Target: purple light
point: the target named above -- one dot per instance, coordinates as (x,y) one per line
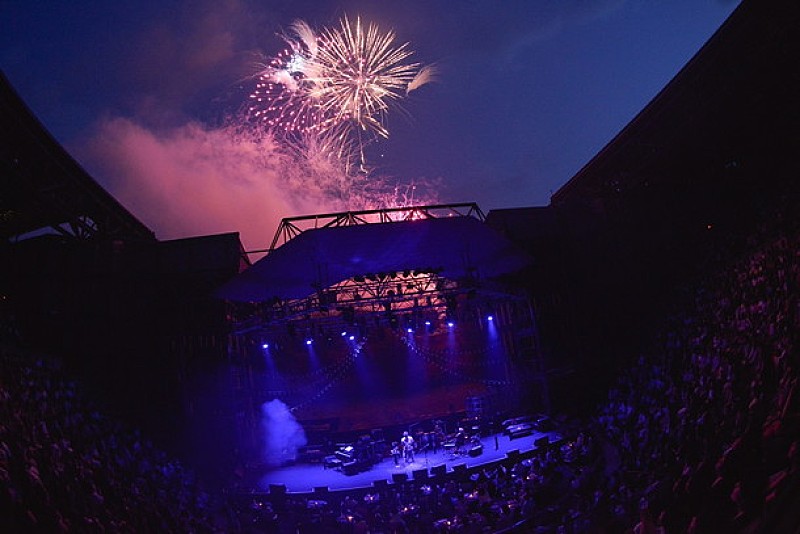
(409,330)
(265,346)
(352,338)
(490,318)
(344,333)
(309,341)
(427,323)
(451,324)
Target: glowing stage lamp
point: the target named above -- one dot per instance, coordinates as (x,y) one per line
(309,341)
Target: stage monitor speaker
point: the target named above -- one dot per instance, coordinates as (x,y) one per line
(277,489)
(399,478)
(420,474)
(350,468)
(477,450)
(439,470)
(513,454)
(542,442)
(381,483)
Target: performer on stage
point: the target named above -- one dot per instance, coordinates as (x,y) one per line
(408,447)
(396,452)
(438,436)
(461,440)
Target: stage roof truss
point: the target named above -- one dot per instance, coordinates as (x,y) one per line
(413,295)
(291,227)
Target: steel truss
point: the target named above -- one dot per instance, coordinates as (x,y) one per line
(385,293)
(291,227)
(407,294)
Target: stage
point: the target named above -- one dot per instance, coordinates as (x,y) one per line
(304,478)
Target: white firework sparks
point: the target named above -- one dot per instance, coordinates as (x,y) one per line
(340,80)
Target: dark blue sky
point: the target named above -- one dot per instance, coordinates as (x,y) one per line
(528,91)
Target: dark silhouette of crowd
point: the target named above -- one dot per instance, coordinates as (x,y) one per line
(64,467)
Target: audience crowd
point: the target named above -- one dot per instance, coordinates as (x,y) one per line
(66,468)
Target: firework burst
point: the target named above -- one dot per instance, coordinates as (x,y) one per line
(357,72)
(319,102)
(339,81)
(280,99)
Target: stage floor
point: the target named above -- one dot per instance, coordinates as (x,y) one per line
(303,478)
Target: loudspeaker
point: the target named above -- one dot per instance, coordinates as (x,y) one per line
(399,478)
(277,489)
(350,468)
(381,483)
(541,442)
(439,470)
(420,474)
(513,454)
(475,407)
(477,450)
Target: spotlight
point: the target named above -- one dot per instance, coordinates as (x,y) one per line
(450,324)
(409,330)
(309,341)
(490,318)
(265,346)
(344,333)
(427,323)
(352,338)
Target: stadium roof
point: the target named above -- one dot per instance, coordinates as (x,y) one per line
(734,104)
(42,186)
(456,248)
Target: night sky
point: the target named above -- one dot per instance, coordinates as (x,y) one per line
(527,92)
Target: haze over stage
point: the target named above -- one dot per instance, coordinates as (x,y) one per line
(455,247)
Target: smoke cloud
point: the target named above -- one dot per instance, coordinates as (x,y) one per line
(283,435)
(192,180)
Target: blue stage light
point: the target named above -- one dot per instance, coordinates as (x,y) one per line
(451,324)
(344,333)
(409,330)
(427,323)
(309,341)
(352,338)
(490,318)
(265,346)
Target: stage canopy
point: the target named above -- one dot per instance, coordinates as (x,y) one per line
(457,248)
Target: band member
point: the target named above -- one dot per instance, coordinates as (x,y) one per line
(438,436)
(396,452)
(461,440)
(408,447)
